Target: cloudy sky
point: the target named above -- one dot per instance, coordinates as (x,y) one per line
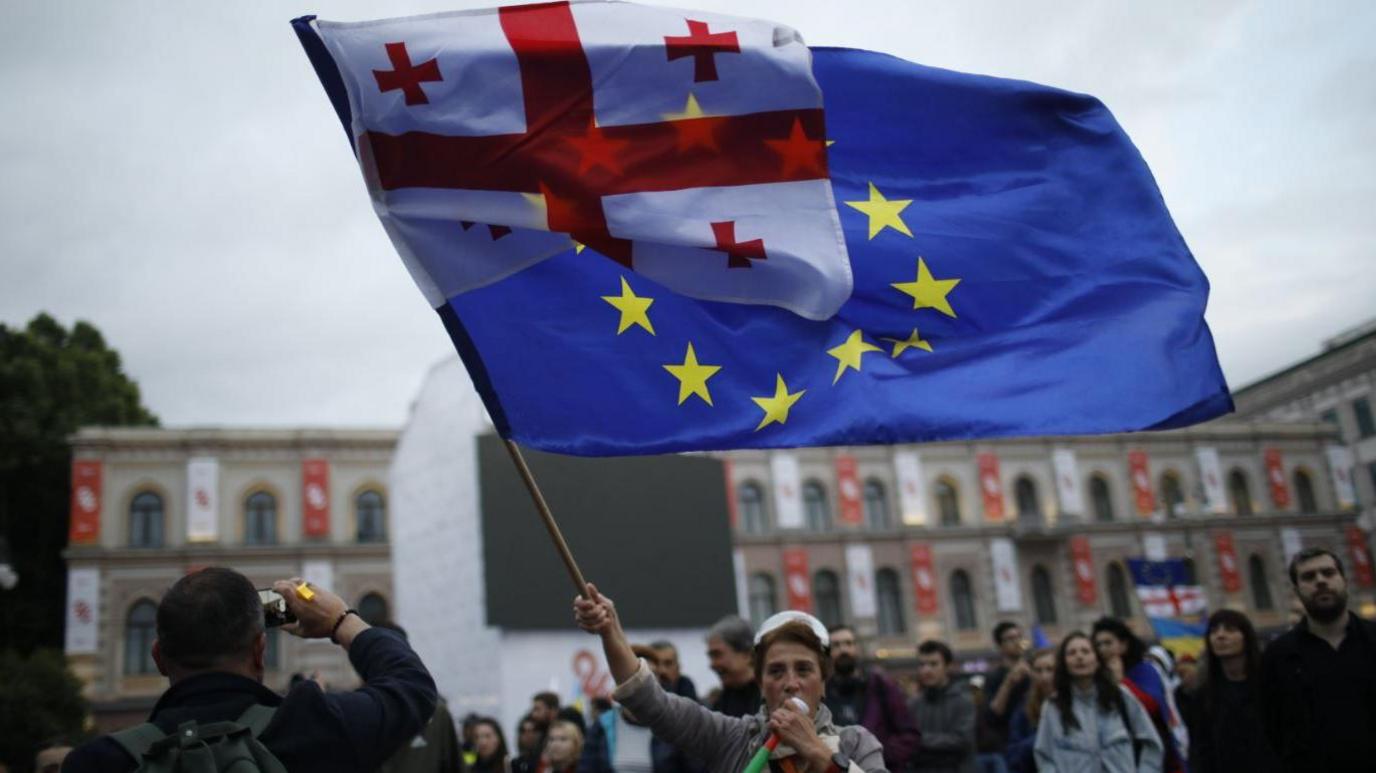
(174,174)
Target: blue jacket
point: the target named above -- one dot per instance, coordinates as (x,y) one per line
(1022,737)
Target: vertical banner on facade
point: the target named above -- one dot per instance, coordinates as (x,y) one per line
(315,497)
(848,488)
(860,578)
(742,583)
(1154,546)
(732,506)
(1007,587)
(991,486)
(1068,482)
(1340,464)
(1141,483)
(912,492)
(318,571)
(83,611)
(1211,480)
(788,497)
(202,493)
(924,579)
(84,525)
(797,579)
(1227,561)
(1275,478)
(1291,542)
(1086,589)
(1361,557)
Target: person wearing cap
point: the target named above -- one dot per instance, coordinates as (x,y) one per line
(791,661)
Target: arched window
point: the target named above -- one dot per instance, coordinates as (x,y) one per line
(1261,584)
(1304,492)
(1100,498)
(947,502)
(140,629)
(890,602)
(145,520)
(963,601)
(816,506)
(1043,598)
(1172,494)
(1239,492)
(762,599)
(1029,505)
(826,597)
(260,519)
(1119,603)
(370,515)
(750,507)
(373,609)
(876,505)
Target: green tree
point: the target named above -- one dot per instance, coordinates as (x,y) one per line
(41,702)
(52,381)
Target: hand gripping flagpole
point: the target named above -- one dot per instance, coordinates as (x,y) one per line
(556,536)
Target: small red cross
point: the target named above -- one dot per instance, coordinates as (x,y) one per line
(406,76)
(739,254)
(702,46)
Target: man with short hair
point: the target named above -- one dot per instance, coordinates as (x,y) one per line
(671,674)
(544,707)
(730,643)
(211,646)
(945,712)
(1318,680)
(621,744)
(867,696)
(1006,685)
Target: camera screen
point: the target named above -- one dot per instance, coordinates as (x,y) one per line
(275,610)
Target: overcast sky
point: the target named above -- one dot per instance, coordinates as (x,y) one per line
(174,174)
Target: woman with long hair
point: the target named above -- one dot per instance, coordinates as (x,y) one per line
(1226,731)
(563,746)
(1092,723)
(489,745)
(1027,715)
(1126,656)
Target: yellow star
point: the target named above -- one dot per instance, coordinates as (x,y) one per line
(578,248)
(690,110)
(882,212)
(692,377)
(849,353)
(913,341)
(776,407)
(928,293)
(632,308)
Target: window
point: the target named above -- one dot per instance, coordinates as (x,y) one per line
(1042,596)
(1331,416)
(750,507)
(1029,506)
(1304,492)
(1172,494)
(963,601)
(373,609)
(1101,499)
(762,601)
(876,505)
(1239,492)
(1119,603)
(890,602)
(140,629)
(260,519)
(1366,425)
(1261,586)
(826,596)
(816,506)
(947,502)
(370,516)
(145,520)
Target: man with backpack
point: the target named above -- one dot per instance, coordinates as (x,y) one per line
(216,712)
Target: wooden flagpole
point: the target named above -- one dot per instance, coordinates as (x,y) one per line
(556,536)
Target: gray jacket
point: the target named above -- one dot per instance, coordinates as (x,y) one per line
(1101,744)
(946,718)
(725,743)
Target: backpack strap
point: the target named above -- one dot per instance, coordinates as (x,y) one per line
(138,739)
(256,718)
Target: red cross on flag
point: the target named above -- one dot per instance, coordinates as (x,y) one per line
(689,146)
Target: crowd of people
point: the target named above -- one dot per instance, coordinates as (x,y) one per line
(795,697)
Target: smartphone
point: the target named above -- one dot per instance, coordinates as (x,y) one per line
(275,611)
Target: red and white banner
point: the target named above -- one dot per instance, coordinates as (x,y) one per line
(1275,478)
(1227,561)
(912,491)
(202,511)
(1141,483)
(1211,480)
(1340,464)
(788,495)
(797,579)
(1360,554)
(924,580)
(1086,589)
(860,578)
(82,634)
(848,489)
(1067,482)
(1007,587)
(991,486)
(84,526)
(315,497)
(1172,601)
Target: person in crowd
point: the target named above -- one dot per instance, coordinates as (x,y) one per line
(1093,723)
(435,748)
(1125,655)
(563,747)
(1026,717)
(730,642)
(944,712)
(544,708)
(530,743)
(211,645)
(1318,680)
(790,656)
(1006,686)
(1224,713)
(671,674)
(489,748)
(867,696)
(625,744)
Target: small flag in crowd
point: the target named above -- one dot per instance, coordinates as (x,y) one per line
(1165,588)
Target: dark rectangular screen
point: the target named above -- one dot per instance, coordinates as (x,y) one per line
(652,532)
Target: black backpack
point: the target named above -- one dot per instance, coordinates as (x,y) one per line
(216,747)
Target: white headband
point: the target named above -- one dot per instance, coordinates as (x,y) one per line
(794,616)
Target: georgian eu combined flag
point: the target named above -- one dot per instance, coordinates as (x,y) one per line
(650,230)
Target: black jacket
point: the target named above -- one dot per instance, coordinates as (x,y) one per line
(311,730)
